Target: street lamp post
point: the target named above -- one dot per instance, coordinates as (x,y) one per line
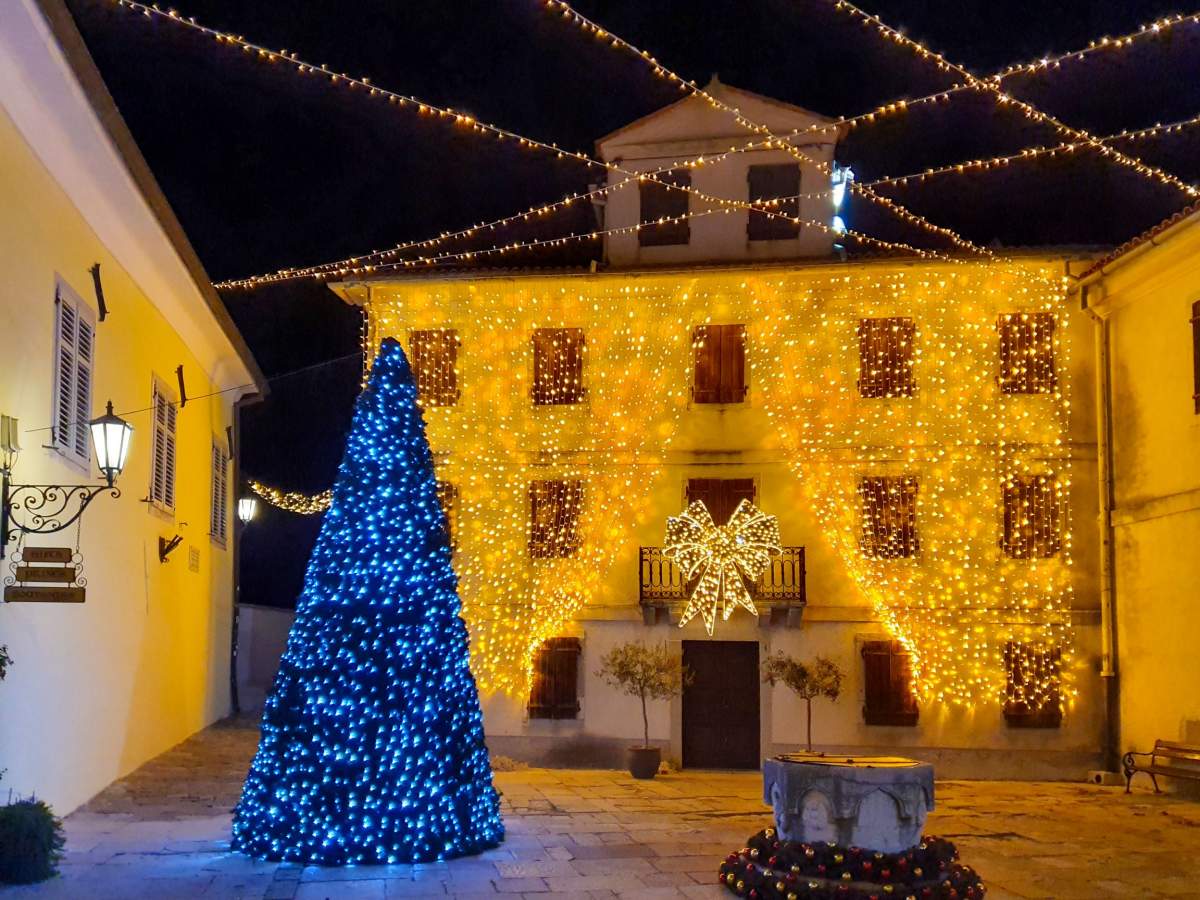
(247,508)
(47,508)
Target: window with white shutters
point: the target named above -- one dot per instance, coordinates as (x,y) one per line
(218,520)
(162,459)
(74,354)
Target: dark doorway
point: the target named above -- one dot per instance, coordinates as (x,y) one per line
(720,707)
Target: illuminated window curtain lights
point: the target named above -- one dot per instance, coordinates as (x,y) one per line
(946,591)
(953,603)
(500,447)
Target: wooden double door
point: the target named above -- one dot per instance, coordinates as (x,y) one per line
(721,706)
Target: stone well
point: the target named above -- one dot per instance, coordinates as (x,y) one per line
(877,803)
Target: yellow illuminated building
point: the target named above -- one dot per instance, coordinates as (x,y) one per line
(922,431)
(885,412)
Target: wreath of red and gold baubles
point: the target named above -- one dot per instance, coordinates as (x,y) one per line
(770,869)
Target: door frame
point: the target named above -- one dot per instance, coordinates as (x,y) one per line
(766,747)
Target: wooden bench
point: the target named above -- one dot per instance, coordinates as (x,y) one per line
(1167,758)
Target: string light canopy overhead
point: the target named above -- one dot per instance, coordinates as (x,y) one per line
(366,264)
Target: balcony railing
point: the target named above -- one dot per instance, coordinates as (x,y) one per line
(778,591)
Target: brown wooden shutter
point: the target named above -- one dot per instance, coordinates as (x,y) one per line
(720,495)
(447,494)
(1027,353)
(774,182)
(889,516)
(1196,355)
(554,693)
(557,366)
(554,510)
(1031,517)
(733,363)
(720,364)
(889,699)
(1026,666)
(435,365)
(660,202)
(885,357)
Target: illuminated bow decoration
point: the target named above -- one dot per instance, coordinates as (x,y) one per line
(724,556)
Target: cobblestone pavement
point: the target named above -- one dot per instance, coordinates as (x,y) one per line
(162,833)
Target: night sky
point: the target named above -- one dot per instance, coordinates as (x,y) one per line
(267,169)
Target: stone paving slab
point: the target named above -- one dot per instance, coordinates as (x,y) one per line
(163,834)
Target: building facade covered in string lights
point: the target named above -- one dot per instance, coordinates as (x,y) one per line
(923,430)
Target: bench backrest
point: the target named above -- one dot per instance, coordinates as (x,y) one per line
(1181,755)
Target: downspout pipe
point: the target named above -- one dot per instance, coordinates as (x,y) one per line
(1109,659)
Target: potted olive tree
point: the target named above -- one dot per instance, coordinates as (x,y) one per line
(648,673)
(820,678)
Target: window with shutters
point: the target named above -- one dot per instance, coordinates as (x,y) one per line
(777,188)
(1027,353)
(888,697)
(435,365)
(1033,696)
(885,357)
(720,495)
(1196,355)
(557,366)
(74,358)
(162,457)
(554,509)
(555,689)
(889,516)
(1031,514)
(660,202)
(447,494)
(720,363)
(218,520)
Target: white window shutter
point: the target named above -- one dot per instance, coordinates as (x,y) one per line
(162,468)
(219,517)
(75,346)
(85,344)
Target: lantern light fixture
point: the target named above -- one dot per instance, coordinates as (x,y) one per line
(247,509)
(49,508)
(110,437)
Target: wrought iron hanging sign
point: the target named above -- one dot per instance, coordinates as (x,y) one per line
(45,575)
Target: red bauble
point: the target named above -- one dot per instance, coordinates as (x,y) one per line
(885,874)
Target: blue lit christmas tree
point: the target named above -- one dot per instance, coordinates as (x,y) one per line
(372,738)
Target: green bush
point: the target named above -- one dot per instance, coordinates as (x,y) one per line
(31,842)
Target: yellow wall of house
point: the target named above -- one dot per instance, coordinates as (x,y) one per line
(638,438)
(1156,455)
(97,689)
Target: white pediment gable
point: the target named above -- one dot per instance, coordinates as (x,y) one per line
(694,118)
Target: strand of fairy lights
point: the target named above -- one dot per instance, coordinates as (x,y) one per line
(362,263)
(421,106)
(1033,153)
(1156,28)
(587,25)
(292,501)
(1007,100)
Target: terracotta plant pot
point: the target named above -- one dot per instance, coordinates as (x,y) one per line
(643,761)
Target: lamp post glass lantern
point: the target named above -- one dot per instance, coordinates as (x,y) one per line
(247,509)
(110,437)
(48,508)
